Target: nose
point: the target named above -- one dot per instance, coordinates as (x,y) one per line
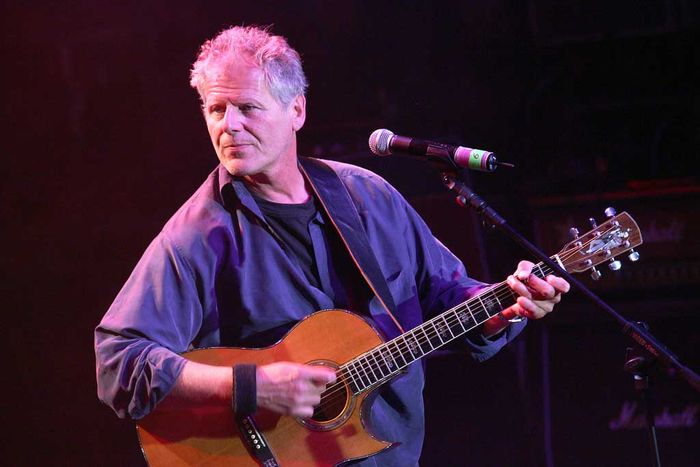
(232,120)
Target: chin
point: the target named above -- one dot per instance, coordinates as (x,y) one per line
(238,168)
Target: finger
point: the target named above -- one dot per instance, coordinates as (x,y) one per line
(533,309)
(318,374)
(559,284)
(554,300)
(305,411)
(519,311)
(306,394)
(542,289)
(523,270)
(518,287)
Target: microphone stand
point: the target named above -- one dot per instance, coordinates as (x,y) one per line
(638,366)
(654,350)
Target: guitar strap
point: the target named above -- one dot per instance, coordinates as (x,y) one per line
(336,201)
(341,210)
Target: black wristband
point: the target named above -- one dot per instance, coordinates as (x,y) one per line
(244,390)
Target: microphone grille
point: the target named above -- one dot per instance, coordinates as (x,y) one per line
(379,142)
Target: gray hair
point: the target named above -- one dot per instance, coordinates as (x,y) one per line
(281,65)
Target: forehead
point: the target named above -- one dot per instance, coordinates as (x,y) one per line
(239,79)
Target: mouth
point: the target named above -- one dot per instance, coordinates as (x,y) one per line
(235,150)
(235,147)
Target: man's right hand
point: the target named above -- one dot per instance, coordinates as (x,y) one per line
(292,388)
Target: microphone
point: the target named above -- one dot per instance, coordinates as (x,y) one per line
(384,142)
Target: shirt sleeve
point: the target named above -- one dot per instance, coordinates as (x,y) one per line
(154,317)
(443,283)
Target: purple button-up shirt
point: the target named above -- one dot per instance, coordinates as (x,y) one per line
(216,276)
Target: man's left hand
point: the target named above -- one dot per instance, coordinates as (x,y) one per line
(536,297)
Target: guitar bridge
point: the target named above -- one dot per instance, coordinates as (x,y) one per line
(256,442)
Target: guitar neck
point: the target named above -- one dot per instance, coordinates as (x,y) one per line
(385,361)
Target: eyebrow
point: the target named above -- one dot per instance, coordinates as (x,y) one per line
(240,100)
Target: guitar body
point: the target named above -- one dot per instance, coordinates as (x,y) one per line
(210,437)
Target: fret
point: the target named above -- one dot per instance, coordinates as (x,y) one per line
(408,348)
(448,327)
(380,365)
(371,373)
(364,376)
(492,306)
(542,274)
(438,333)
(508,297)
(390,364)
(345,371)
(422,329)
(471,313)
(353,369)
(462,318)
(456,327)
(500,305)
(441,332)
(478,297)
(413,345)
(398,351)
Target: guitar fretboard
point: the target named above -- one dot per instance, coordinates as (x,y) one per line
(386,360)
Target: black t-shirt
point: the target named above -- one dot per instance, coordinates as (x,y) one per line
(290,222)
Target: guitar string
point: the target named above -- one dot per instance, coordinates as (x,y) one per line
(339,391)
(430,335)
(451,320)
(498,291)
(371,370)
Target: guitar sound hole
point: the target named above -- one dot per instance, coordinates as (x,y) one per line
(333,403)
(336,406)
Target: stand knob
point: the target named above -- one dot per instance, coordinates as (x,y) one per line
(595,274)
(633,256)
(614,265)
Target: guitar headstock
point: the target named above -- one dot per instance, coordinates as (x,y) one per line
(603,243)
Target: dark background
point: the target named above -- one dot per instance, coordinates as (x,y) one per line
(595,102)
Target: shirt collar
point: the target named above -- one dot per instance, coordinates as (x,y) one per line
(234,192)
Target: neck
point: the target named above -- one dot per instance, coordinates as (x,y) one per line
(288,186)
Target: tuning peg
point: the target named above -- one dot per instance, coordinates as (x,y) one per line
(573,232)
(614,265)
(610,211)
(595,274)
(593,223)
(633,256)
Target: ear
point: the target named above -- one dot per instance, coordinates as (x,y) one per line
(297,108)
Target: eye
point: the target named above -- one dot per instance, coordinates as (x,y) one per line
(217,109)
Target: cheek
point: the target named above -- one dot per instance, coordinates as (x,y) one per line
(214,131)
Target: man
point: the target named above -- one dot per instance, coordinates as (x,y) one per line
(263,243)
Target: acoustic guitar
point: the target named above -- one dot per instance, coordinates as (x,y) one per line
(363,361)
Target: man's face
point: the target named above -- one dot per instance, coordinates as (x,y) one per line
(253,134)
